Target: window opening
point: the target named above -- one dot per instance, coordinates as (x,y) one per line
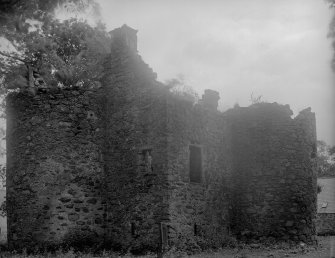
(145,159)
(132,226)
(195,229)
(195,164)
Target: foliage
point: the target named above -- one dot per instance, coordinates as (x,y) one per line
(179,88)
(331,32)
(45,52)
(256,100)
(13,12)
(81,240)
(49,53)
(68,53)
(325,159)
(3,209)
(209,239)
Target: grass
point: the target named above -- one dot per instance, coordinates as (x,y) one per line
(242,251)
(68,254)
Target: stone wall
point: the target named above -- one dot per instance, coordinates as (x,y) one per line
(113,163)
(90,163)
(258,168)
(135,152)
(198,210)
(54,173)
(274,181)
(325,224)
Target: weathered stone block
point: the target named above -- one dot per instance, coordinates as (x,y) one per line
(65,199)
(73,216)
(92,200)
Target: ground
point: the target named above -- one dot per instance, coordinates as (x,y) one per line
(325,249)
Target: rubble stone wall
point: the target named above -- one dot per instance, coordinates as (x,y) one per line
(114,163)
(90,162)
(54,171)
(274,180)
(198,210)
(135,153)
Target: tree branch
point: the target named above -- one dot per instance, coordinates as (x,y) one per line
(13,57)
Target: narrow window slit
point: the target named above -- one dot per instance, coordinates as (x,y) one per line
(195,164)
(132,228)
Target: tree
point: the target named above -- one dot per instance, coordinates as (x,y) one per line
(325,159)
(178,87)
(47,52)
(2,170)
(331,33)
(256,99)
(14,13)
(67,54)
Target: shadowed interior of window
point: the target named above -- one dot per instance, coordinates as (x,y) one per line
(195,164)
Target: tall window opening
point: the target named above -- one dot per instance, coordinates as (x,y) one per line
(195,164)
(145,159)
(195,229)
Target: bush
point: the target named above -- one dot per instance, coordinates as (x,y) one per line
(207,240)
(82,240)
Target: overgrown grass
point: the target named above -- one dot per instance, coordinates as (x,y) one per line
(70,254)
(237,250)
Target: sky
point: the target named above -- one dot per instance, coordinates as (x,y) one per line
(275,49)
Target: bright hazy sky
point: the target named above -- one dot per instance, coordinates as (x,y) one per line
(277,49)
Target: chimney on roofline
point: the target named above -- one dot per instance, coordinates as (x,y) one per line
(210,99)
(126,35)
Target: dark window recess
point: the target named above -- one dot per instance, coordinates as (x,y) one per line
(195,164)
(195,229)
(163,230)
(132,226)
(314,151)
(145,159)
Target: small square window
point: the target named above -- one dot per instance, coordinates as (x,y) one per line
(145,158)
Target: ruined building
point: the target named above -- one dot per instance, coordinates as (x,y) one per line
(136,166)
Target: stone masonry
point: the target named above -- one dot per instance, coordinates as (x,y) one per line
(325,222)
(133,166)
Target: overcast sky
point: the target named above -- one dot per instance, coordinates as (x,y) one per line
(277,49)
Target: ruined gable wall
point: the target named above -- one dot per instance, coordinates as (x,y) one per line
(274,182)
(135,129)
(54,169)
(198,211)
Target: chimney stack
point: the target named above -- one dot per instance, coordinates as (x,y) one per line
(125,35)
(210,99)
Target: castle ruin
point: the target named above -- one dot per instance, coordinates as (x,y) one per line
(133,165)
